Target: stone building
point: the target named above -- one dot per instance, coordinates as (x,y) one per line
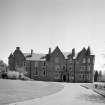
(54,66)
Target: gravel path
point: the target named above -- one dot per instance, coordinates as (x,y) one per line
(72,94)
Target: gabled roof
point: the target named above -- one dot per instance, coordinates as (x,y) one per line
(88,52)
(10,56)
(57,49)
(81,53)
(19,51)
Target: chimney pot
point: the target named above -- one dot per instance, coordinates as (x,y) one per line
(49,50)
(73,51)
(18,48)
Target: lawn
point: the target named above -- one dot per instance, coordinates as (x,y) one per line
(15,90)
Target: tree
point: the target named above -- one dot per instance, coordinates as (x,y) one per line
(96,76)
(100,76)
(3,66)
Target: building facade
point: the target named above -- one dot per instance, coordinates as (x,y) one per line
(54,66)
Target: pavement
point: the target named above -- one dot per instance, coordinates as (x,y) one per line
(72,94)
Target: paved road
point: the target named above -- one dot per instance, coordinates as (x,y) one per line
(72,94)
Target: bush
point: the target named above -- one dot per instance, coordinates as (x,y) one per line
(4,75)
(12,75)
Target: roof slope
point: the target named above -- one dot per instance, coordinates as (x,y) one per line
(35,57)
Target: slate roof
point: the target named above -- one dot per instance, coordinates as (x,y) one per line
(38,57)
(34,57)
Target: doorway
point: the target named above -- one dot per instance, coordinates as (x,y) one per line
(64,78)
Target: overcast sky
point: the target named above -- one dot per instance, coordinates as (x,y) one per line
(40,24)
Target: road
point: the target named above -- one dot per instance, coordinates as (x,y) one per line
(72,94)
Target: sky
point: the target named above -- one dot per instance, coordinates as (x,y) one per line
(40,24)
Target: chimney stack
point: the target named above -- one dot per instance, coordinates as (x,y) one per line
(49,51)
(31,52)
(73,52)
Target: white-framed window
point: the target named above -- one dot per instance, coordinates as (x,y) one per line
(84,60)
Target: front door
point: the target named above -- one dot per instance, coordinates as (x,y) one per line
(64,78)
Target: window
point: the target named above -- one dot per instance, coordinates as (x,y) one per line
(64,67)
(84,60)
(44,63)
(70,68)
(80,76)
(57,53)
(82,68)
(70,61)
(24,64)
(88,68)
(77,61)
(57,75)
(36,71)
(86,77)
(88,60)
(56,60)
(57,67)
(36,64)
(44,72)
